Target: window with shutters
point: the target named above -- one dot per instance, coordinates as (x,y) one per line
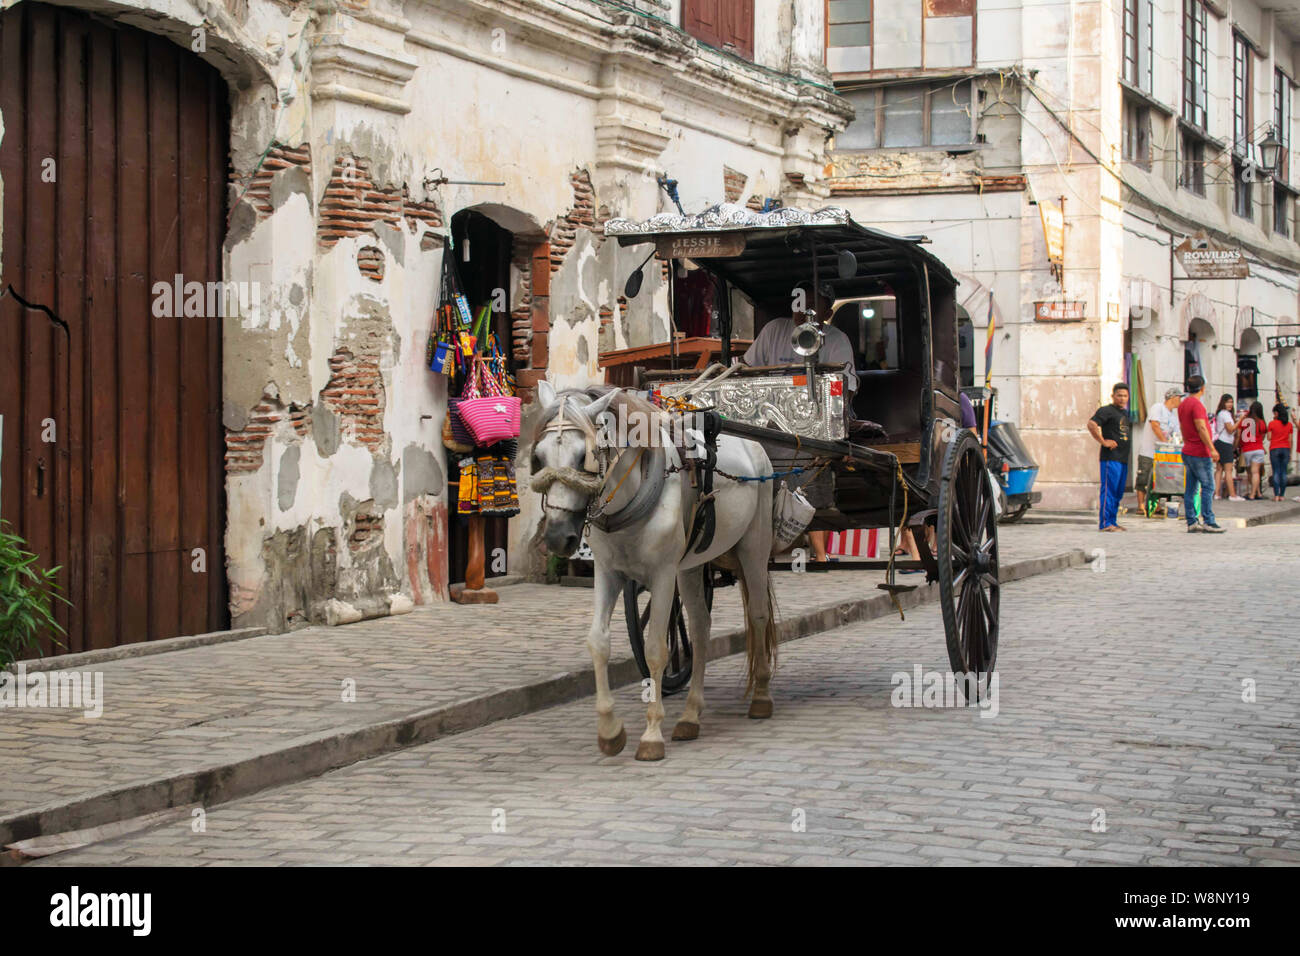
(863,36)
(907,115)
(725,24)
(1196,95)
(1136,42)
(1282,122)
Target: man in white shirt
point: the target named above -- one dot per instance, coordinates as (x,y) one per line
(1161,426)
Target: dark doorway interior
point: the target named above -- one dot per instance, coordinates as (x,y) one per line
(482,250)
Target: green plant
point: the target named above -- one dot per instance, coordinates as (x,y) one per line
(27,596)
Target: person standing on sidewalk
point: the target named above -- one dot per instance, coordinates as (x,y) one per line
(1279,449)
(1161,426)
(1225,444)
(1250,433)
(1111,428)
(1199,456)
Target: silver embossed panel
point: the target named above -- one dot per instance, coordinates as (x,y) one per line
(776,401)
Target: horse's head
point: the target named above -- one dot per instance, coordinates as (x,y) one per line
(565,463)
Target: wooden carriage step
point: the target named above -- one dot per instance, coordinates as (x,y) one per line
(897,588)
(907,452)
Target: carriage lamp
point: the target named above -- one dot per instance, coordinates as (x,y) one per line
(1270,151)
(633,284)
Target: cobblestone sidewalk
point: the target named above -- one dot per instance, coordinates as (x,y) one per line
(1122,736)
(217,705)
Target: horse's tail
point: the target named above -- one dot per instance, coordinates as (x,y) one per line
(760,642)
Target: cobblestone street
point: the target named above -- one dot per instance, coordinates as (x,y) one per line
(1121,736)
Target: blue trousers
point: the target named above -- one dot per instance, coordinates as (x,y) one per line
(1114,478)
(1200,471)
(1279,458)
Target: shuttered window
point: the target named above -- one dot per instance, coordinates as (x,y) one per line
(725,24)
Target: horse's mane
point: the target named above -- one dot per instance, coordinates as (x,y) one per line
(632,403)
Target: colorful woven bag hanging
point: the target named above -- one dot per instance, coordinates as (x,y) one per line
(487,411)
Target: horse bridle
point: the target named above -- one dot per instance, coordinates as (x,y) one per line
(592,463)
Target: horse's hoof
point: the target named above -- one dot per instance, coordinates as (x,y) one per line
(612,748)
(685,730)
(760,709)
(650,750)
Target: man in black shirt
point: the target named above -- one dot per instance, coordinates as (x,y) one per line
(1112,428)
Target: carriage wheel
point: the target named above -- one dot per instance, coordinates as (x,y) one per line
(968,559)
(636,608)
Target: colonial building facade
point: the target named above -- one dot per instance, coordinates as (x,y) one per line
(1125,133)
(269,453)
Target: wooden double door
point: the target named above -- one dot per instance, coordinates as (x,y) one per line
(114,159)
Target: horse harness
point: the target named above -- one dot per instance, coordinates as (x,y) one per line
(701,524)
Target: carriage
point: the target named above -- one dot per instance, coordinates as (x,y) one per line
(911,465)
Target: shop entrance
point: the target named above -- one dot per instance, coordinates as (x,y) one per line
(482,251)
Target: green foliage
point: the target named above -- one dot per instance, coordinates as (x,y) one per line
(27,596)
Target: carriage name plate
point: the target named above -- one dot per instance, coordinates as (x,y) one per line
(781,401)
(700,246)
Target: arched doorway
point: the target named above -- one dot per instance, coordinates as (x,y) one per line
(114,165)
(1250,370)
(483,252)
(1197,349)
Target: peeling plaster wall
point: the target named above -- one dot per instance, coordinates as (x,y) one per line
(336,486)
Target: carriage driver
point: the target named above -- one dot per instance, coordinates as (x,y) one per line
(773,346)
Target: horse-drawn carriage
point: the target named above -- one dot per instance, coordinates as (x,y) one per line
(889,452)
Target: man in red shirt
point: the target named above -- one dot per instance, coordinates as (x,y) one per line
(1199,456)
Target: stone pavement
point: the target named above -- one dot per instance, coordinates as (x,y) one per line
(1121,737)
(201,711)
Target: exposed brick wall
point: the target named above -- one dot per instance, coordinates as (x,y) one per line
(733,183)
(755,203)
(367,531)
(355,392)
(584,215)
(259,186)
(521,312)
(370,260)
(244,448)
(353,204)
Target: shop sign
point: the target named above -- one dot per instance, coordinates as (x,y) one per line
(706,246)
(1053,215)
(1276,342)
(1060,311)
(1205,258)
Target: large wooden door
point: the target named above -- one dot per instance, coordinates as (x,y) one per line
(113,163)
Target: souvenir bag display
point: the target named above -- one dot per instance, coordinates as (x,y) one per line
(467,488)
(452,314)
(498,494)
(487,411)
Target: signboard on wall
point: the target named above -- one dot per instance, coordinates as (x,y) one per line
(1205,258)
(1053,215)
(1277,342)
(705,246)
(1059,311)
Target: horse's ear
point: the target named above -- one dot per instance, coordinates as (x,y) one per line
(593,410)
(545,393)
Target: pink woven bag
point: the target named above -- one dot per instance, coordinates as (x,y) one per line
(489,414)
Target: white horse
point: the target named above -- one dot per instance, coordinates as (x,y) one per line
(637,506)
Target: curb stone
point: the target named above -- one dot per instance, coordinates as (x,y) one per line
(332,749)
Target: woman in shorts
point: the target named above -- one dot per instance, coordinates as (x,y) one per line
(1250,434)
(1224,428)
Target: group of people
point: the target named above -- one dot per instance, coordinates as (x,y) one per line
(1205,443)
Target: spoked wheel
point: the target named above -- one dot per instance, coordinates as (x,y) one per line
(968,559)
(636,608)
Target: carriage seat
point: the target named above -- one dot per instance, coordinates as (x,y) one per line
(891,397)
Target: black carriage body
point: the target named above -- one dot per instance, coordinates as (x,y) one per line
(916,403)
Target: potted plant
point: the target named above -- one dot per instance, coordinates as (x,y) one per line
(27,596)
